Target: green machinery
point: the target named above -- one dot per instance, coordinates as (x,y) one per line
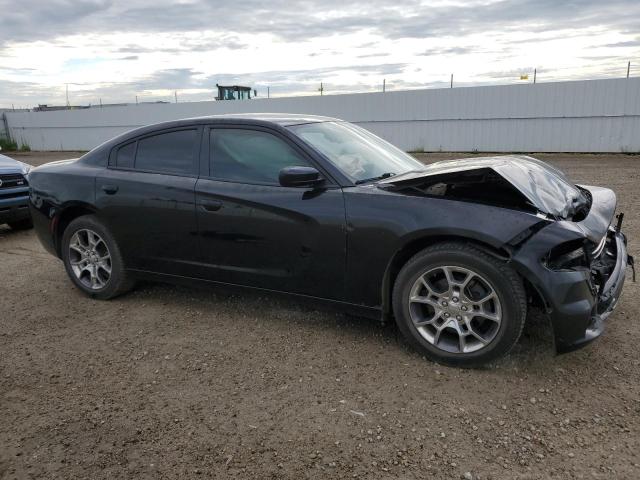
(234,92)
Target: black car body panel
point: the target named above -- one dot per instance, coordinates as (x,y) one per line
(14,190)
(342,242)
(296,240)
(382,223)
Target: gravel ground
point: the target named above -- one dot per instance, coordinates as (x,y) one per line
(170,382)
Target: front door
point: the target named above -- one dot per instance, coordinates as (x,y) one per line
(255,232)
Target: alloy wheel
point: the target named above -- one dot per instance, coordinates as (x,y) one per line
(90,259)
(455,309)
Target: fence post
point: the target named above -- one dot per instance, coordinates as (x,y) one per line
(5,123)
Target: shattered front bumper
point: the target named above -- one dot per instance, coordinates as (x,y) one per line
(575,303)
(605,300)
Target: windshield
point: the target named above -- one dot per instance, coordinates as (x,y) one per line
(359,154)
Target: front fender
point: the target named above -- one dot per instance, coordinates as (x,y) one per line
(381,223)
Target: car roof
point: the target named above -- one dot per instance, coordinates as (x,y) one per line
(265,119)
(283,119)
(279,120)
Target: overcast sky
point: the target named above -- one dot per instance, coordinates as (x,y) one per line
(114,50)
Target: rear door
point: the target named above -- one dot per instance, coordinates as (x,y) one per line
(255,232)
(147,198)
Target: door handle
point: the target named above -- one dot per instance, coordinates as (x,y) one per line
(109,189)
(211,205)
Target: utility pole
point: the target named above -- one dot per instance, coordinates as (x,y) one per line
(628,68)
(175,94)
(451,84)
(321,89)
(67,85)
(268,93)
(100,102)
(136,99)
(384,85)
(535,71)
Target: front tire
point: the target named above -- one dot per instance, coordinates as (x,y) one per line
(458,305)
(92,259)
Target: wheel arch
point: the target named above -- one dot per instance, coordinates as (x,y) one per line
(67,215)
(415,245)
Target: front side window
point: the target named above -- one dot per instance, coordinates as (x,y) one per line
(250,156)
(359,154)
(170,152)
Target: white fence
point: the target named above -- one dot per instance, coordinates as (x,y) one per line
(583,116)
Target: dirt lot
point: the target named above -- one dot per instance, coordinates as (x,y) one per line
(169,382)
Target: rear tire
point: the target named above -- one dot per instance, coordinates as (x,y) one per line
(93,260)
(24,224)
(458,305)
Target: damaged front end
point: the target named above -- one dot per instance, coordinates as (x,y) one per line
(580,281)
(516,182)
(573,257)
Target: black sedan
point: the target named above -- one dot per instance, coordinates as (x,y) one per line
(455,252)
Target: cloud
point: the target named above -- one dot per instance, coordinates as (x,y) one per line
(627,44)
(15,93)
(449,51)
(192,84)
(374,55)
(35,19)
(118,47)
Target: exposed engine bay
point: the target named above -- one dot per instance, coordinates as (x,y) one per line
(516,182)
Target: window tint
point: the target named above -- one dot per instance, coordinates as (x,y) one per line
(168,152)
(250,156)
(357,152)
(125,156)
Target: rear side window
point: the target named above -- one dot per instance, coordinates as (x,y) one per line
(250,156)
(126,156)
(171,152)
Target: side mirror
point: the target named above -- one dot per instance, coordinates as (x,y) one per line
(299,177)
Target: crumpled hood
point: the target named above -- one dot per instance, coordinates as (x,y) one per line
(546,187)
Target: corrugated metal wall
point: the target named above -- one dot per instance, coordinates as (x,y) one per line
(583,116)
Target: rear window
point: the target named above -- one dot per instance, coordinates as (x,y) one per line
(126,155)
(171,152)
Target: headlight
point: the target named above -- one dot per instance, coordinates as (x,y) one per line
(567,256)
